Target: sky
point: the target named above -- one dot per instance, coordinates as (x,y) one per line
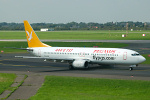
(64,11)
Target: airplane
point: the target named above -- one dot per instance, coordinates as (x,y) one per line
(79,57)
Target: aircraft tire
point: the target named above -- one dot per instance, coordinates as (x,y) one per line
(130,68)
(71,67)
(87,67)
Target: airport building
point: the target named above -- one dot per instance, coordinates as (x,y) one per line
(46,29)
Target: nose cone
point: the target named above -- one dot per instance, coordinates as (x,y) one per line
(142,59)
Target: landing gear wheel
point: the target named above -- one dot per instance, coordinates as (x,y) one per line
(87,67)
(71,67)
(130,68)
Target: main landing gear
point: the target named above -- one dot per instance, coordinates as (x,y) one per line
(71,67)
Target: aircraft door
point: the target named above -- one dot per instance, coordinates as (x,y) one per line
(125,56)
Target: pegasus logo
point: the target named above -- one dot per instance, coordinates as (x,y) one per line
(29,35)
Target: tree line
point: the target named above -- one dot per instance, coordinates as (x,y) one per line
(80,26)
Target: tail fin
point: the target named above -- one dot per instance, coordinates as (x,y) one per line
(32,38)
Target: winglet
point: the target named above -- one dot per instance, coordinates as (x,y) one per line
(32,38)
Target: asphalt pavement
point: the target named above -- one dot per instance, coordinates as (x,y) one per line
(37,69)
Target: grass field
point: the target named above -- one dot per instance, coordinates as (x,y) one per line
(83,35)
(147,56)
(6,80)
(71,88)
(58,44)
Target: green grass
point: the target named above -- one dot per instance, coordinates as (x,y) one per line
(13,44)
(71,88)
(57,44)
(86,44)
(6,80)
(84,35)
(147,58)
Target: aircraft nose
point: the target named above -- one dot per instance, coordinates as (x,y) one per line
(142,59)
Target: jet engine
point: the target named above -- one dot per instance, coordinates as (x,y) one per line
(80,64)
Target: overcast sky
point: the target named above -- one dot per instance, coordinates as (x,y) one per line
(64,11)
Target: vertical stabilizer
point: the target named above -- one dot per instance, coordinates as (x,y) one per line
(32,38)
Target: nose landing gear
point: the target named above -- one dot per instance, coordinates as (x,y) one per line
(131,67)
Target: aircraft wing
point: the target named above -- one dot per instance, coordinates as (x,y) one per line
(33,57)
(42,58)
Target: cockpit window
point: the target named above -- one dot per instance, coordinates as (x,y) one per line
(135,54)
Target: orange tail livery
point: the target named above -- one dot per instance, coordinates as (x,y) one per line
(32,38)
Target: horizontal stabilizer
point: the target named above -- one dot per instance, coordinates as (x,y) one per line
(20,48)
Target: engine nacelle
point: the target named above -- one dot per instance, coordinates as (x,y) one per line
(80,64)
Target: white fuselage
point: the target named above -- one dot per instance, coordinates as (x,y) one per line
(79,57)
(93,55)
